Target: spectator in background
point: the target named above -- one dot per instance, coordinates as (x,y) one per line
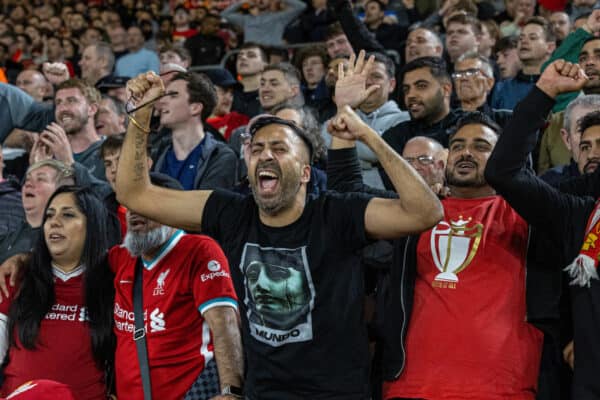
(462,36)
(139,59)
(536,43)
(96,63)
(390,35)
(313,61)
(312,25)
(507,57)
(173,59)
(473,82)
(118,40)
(206,47)
(428,157)
(422,42)
(490,34)
(250,62)
(561,24)
(41,180)
(182,29)
(193,157)
(222,118)
(33,83)
(111,116)
(261,24)
(337,42)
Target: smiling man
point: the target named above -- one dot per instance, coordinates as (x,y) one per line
(76,104)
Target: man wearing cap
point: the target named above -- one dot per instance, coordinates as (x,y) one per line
(222,118)
(192,330)
(113,86)
(305,341)
(194,157)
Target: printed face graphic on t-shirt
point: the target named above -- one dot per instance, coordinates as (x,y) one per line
(279,294)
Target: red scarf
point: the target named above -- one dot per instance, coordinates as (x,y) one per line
(585,265)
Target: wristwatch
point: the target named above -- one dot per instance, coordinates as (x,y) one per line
(234,391)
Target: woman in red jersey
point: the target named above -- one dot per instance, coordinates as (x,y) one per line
(57,323)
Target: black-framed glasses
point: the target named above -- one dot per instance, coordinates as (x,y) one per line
(423,160)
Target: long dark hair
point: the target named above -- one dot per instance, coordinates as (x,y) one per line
(36,294)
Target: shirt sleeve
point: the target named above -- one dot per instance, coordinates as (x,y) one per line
(345,218)
(211,279)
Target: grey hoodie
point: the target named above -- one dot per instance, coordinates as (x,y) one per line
(380,120)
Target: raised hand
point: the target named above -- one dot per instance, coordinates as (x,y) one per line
(351,86)
(347,125)
(55,73)
(55,138)
(561,77)
(144,89)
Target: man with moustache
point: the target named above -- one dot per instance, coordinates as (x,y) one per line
(317,236)
(436,275)
(426,88)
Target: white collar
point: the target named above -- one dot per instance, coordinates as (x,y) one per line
(65,276)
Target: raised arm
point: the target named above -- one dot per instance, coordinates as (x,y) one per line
(417,208)
(506,169)
(181,209)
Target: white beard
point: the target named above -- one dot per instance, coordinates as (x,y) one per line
(139,243)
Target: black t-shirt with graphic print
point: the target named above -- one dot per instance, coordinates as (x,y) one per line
(300,290)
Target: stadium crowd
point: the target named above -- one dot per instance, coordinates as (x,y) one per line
(298,200)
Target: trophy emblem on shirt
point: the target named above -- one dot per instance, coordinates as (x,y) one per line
(453,246)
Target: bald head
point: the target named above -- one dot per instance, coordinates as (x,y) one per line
(33,83)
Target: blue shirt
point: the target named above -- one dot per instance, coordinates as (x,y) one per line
(184,170)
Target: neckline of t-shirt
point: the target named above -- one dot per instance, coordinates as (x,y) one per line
(65,276)
(289,226)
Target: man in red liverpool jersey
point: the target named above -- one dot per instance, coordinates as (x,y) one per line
(190,312)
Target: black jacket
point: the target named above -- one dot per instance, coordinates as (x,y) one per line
(559,218)
(216,169)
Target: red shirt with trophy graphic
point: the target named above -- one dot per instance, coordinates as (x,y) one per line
(468,337)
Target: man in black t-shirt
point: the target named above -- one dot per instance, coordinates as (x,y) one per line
(294,258)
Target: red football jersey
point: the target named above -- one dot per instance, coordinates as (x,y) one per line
(64,350)
(468,337)
(189,276)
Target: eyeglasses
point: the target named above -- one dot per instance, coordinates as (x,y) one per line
(423,160)
(467,73)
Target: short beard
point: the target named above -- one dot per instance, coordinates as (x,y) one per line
(77,128)
(284,200)
(140,243)
(475,182)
